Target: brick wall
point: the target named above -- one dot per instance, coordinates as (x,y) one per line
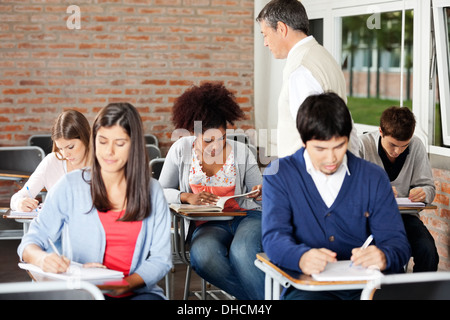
(146,52)
(389,84)
(438,221)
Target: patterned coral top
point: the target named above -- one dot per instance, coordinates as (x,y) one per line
(222,183)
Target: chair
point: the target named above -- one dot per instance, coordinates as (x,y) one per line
(409,286)
(42,140)
(50,290)
(16,164)
(241,137)
(153,151)
(253,150)
(156,167)
(20,160)
(151,139)
(182,254)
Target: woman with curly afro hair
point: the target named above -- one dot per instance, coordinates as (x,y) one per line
(203,166)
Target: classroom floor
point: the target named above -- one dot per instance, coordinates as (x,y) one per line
(10,272)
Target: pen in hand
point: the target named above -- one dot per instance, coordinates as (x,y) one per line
(29,194)
(365,245)
(56,250)
(54,247)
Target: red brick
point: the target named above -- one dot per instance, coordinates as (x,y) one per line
(5,82)
(11,128)
(106,55)
(445,187)
(16,91)
(31,83)
(154,82)
(441,199)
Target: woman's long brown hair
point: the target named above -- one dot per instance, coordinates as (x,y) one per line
(137,172)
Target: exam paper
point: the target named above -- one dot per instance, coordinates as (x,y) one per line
(343,271)
(76,271)
(405,202)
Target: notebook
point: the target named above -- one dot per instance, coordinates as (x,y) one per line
(405,202)
(23,214)
(344,271)
(218,207)
(76,271)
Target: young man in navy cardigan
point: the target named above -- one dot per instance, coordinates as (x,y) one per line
(321,203)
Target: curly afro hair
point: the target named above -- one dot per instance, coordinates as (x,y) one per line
(211,103)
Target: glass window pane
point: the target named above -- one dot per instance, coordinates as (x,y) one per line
(316,29)
(371,57)
(438,139)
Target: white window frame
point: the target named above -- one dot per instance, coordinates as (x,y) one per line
(423,95)
(333,11)
(442,52)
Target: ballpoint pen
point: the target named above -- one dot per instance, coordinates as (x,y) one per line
(365,245)
(54,247)
(56,251)
(29,194)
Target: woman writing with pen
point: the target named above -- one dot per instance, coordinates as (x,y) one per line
(115,215)
(70,136)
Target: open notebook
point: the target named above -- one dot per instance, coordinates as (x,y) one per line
(344,271)
(76,271)
(218,207)
(23,214)
(405,202)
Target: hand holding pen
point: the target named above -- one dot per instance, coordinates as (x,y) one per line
(54,262)
(369,256)
(28,204)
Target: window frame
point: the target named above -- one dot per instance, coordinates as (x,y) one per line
(333,11)
(442,60)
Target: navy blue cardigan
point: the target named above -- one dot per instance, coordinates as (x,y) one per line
(295,219)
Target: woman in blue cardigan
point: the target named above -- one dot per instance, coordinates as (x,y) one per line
(111,215)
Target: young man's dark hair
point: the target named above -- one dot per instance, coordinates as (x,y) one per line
(398,123)
(322,117)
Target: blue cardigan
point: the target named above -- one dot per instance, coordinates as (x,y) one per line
(68,212)
(295,219)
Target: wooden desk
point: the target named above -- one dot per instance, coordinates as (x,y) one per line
(26,220)
(275,276)
(426,207)
(19,177)
(14,175)
(210,215)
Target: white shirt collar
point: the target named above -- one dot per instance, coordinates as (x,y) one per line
(327,185)
(310,168)
(303,41)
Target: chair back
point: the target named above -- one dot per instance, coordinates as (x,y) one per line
(151,139)
(20,159)
(409,286)
(42,140)
(156,166)
(153,151)
(50,290)
(241,137)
